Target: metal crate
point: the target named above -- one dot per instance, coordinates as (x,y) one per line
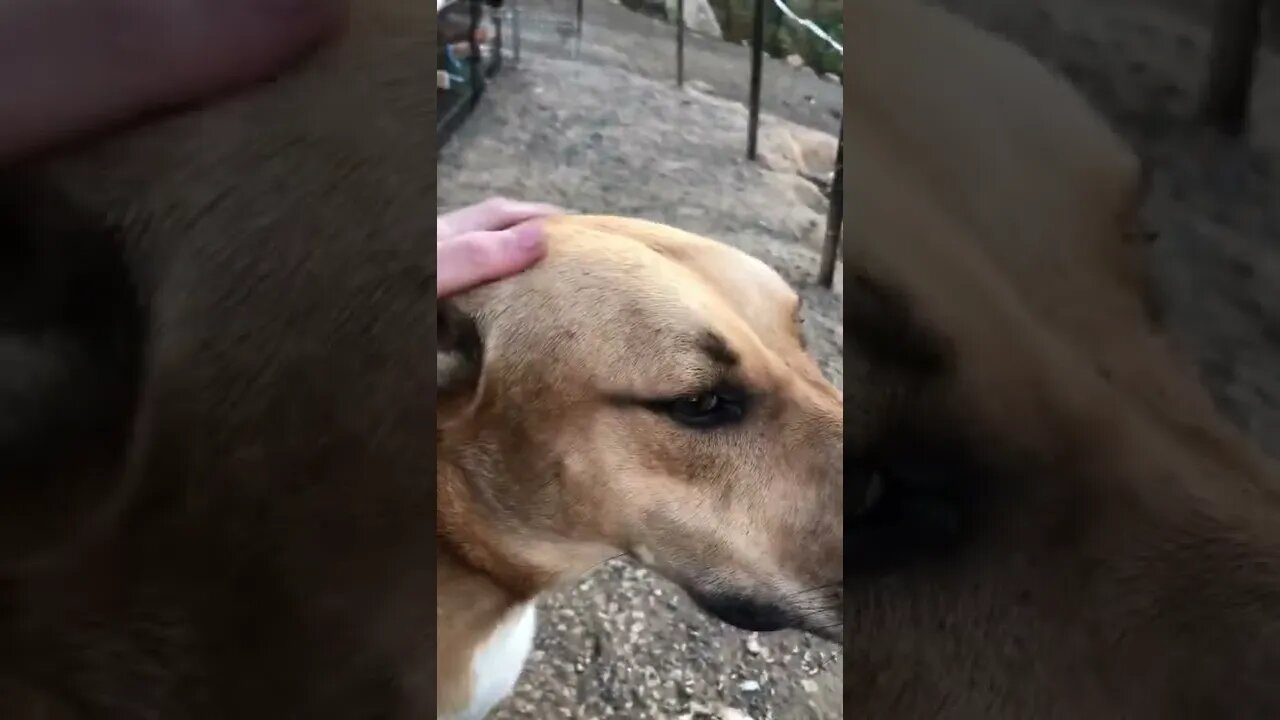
(541,15)
(454,106)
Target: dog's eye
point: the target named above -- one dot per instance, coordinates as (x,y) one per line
(910,505)
(705,410)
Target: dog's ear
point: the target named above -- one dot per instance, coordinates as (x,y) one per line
(459,352)
(72,346)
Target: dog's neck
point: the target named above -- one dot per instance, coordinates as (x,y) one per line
(478,585)
(1189,609)
(1203,630)
(472,600)
(468,537)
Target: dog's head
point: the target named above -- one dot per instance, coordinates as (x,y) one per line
(644,391)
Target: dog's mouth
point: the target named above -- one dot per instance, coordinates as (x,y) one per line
(743,612)
(751,614)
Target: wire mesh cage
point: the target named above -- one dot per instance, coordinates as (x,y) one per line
(559,19)
(469,51)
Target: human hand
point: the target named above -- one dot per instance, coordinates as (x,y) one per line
(487,241)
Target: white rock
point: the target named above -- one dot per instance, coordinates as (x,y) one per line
(701,86)
(698,17)
(790,148)
(799,191)
(729,713)
(795,60)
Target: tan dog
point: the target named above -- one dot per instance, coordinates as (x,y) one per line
(1057,523)
(642,390)
(227,513)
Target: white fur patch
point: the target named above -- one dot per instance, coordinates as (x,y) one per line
(498,661)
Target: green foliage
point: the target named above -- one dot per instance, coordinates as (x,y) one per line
(785,37)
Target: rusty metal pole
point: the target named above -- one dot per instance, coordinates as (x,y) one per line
(835,219)
(757,61)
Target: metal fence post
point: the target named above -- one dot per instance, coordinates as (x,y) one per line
(577,43)
(835,219)
(515,30)
(473,49)
(680,43)
(495,65)
(757,57)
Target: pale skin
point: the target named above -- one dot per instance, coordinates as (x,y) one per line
(487,241)
(73,68)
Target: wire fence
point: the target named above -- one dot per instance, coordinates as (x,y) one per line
(833,238)
(463,66)
(459,105)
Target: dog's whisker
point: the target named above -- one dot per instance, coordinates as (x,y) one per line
(828,601)
(817,606)
(820,588)
(829,661)
(812,602)
(816,613)
(605,561)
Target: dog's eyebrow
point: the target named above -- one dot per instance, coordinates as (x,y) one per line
(717,349)
(710,344)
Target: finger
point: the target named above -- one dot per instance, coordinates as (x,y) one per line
(490,215)
(474,258)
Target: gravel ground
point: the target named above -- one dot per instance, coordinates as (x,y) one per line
(595,136)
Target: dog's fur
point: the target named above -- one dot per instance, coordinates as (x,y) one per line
(1065,527)
(226,491)
(558,450)
(257,544)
